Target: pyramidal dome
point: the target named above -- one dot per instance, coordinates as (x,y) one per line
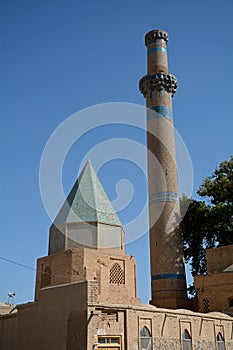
(87,217)
(88,201)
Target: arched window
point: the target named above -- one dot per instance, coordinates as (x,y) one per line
(45,277)
(145,338)
(117,274)
(220,342)
(231,302)
(186,340)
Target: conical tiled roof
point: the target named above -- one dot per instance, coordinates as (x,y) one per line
(87,202)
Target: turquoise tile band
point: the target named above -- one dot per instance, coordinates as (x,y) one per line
(164,197)
(169,290)
(168,276)
(162,111)
(154,49)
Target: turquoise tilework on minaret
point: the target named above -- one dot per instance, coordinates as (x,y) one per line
(153,49)
(87,201)
(162,111)
(165,276)
(164,197)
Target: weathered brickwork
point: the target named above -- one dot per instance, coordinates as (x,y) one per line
(166,328)
(220,259)
(93,292)
(204,345)
(166,251)
(215,289)
(82,264)
(70,317)
(166,344)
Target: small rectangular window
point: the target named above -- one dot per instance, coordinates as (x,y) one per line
(113,342)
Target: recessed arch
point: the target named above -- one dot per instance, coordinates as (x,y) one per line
(145,339)
(220,342)
(45,277)
(186,340)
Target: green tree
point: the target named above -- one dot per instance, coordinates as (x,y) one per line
(209,223)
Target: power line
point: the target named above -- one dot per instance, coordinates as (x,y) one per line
(16,263)
(22,265)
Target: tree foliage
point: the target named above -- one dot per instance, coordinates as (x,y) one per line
(219,186)
(209,223)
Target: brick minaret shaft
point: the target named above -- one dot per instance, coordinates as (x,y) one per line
(166,252)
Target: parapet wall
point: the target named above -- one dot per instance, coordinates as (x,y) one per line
(218,259)
(166,329)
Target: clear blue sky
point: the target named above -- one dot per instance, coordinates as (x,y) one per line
(58,57)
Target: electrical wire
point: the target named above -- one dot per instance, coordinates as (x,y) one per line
(19,264)
(22,265)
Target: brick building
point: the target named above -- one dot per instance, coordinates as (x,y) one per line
(85,294)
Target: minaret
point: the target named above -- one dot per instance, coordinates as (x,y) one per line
(166,252)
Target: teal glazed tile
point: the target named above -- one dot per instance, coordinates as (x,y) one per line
(88,201)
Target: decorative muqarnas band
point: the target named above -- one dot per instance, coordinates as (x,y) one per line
(158,81)
(154,35)
(164,197)
(161,111)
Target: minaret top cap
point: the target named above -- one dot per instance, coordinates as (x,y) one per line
(155,35)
